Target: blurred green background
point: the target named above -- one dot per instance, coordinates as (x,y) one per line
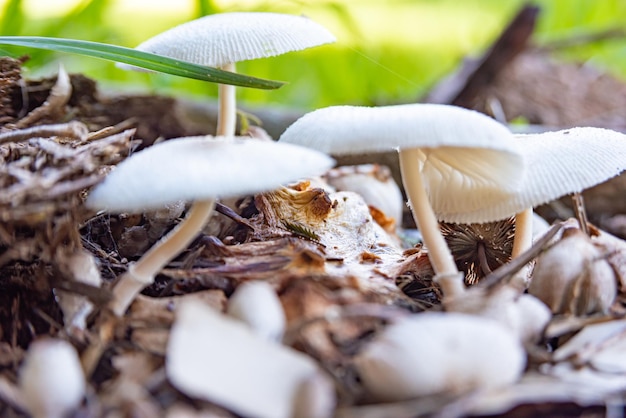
(387,52)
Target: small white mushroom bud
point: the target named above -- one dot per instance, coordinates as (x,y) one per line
(573,277)
(51,379)
(436,353)
(256,304)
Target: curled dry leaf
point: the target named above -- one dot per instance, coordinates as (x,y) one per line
(437,353)
(340,221)
(573,276)
(300,204)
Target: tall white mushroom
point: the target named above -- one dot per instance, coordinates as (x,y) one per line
(199,169)
(455,158)
(221,40)
(558,163)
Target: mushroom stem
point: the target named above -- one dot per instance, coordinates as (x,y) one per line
(142,273)
(523,239)
(446,272)
(227,107)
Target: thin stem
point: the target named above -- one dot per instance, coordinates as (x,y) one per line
(227,108)
(142,273)
(439,254)
(580,212)
(523,239)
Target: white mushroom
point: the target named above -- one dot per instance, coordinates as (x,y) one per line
(221,40)
(199,169)
(558,163)
(51,379)
(439,353)
(456,158)
(256,304)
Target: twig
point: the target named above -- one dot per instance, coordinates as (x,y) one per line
(580,212)
(58,98)
(72,129)
(228,212)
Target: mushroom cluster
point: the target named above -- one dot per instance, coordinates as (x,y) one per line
(461,167)
(457,166)
(558,163)
(199,169)
(218,40)
(452,160)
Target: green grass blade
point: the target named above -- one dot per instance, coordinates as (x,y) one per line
(141,59)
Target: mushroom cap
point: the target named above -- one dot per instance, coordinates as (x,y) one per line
(467,159)
(201,168)
(223,38)
(558,163)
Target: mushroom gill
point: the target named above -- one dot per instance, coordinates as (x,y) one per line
(478,249)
